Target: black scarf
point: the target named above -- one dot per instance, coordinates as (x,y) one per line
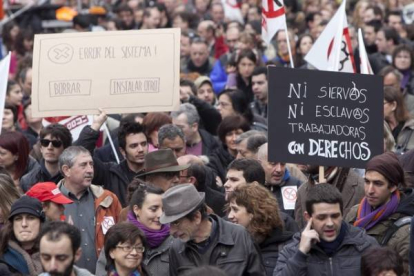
(331,248)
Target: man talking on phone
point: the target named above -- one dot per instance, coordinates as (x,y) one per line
(327,245)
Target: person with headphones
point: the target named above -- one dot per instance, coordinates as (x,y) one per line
(18,248)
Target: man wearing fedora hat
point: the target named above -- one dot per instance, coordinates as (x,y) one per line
(162,169)
(203,239)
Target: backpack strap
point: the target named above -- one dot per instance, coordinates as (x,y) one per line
(394,228)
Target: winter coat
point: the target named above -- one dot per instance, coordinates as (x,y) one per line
(400,241)
(19,262)
(78,272)
(345,262)
(277,192)
(209,143)
(271,247)
(106,205)
(405,139)
(156,260)
(38,174)
(219,160)
(210,117)
(349,184)
(234,252)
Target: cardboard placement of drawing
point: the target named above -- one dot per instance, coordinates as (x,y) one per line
(120,72)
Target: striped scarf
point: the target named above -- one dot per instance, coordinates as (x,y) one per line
(368,218)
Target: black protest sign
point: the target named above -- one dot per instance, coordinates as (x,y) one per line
(324,118)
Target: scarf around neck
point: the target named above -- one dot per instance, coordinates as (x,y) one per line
(368,218)
(154,237)
(113,272)
(331,247)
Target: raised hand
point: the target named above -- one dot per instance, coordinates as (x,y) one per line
(309,236)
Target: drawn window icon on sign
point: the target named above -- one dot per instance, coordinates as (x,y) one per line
(61,53)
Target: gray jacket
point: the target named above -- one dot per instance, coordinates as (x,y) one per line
(156,260)
(345,262)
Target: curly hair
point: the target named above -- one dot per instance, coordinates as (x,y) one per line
(259,202)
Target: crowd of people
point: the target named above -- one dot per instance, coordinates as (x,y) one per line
(194,192)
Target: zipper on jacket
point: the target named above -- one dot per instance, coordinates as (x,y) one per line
(331,266)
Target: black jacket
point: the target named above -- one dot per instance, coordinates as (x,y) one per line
(113,177)
(210,144)
(234,252)
(219,160)
(277,192)
(38,174)
(345,262)
(214,199)
(271,247)
(210,117)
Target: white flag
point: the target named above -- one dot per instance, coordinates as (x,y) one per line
(232,10)
(4,76)
(75,124)
(273,18)
(363,56)
(322,51)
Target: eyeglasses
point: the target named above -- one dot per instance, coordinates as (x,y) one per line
(46,143)
(129,248)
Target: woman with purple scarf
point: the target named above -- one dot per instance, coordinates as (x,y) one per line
(402,59)
(145,211)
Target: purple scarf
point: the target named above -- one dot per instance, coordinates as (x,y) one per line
(154,237)
(406,77)
(367,218)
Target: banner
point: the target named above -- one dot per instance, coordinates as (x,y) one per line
(324,118)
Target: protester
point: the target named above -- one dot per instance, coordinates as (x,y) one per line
(124,248)
(228,131)
(381,262)
(59,247)
(8,194)
(52,200)
(398,119)
(152,123)
(403,60)
(327,243)
(18,242)
(172,137)
(278,180)
(92,205)
(386,210)
(233,102)
(260,91)
(54,138)
(162,169)
(205,236)
(248,144)
(14,155)
(255,208)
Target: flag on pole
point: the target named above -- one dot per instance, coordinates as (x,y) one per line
(273,18)
(232,10)
(4,76)
(365,65)
(322,51)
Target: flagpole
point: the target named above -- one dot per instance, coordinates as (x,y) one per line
(338,38)
(288,44)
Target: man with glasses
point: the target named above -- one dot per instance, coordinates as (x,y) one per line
(202,239)
(53,140)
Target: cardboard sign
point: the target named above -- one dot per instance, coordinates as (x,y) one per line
(324,118)
(120,72)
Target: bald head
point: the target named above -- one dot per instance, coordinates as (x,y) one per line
(189,159)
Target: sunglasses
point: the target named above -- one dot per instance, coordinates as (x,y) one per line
(46,143)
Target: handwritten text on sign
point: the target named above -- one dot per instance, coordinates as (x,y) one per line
(324,118)
(120,72)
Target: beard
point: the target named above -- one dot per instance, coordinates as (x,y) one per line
(67,272)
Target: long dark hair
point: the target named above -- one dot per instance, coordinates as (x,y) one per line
(239,103)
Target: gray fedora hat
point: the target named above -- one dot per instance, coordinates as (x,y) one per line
(179,201)
(162,160)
